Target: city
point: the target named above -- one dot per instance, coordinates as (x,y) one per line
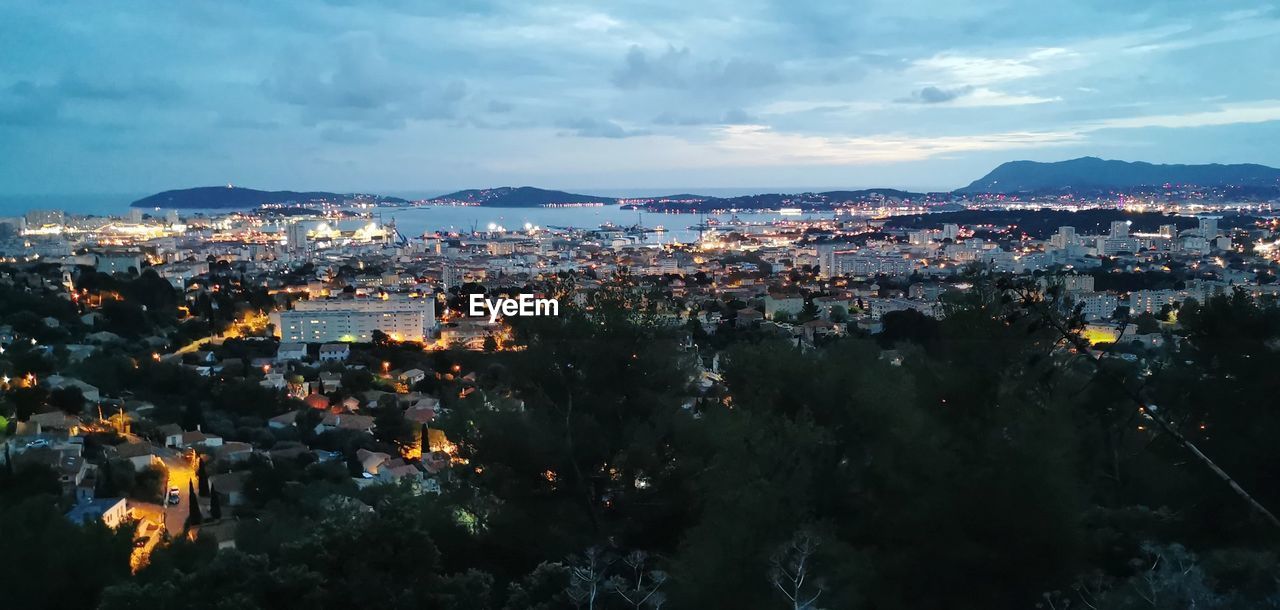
(995,367)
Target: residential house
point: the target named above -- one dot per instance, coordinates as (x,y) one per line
(286,420)
(108,511)
(52,422)
(58,382)
(195,439)
(330,381)
(412,376)
(229,487)
(170,435)
(775,304)
(274,381)
(233,451)
(345,421)
(141,455)
(291,351)
(334,352)
(371,462)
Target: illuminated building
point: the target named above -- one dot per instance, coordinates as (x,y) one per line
(354,320)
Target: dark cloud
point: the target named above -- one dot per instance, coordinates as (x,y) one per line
(75,86)
(352,80)
(245,122)
(499,107)
(681,120)
(596,128)
(936,95)
(343,135)
(676,69)
(29,103)
(733,116)
(737,116)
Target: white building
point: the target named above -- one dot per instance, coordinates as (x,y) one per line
(1208,227)
(782,303)
(1151,301)
(334,352)
(1098,306)
(401,317)
(1066,236)
(291,351)
(117,262)
(295,236)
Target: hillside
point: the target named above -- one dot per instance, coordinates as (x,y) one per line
(519,197)
(1093,174)
(231,197)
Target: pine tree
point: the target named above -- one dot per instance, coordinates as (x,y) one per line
(215,507)
(193,517)
(203,477)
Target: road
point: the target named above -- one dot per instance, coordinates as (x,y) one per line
(181,474)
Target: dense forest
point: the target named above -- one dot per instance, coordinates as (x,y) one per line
(987,460)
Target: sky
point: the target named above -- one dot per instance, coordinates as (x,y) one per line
(395,96)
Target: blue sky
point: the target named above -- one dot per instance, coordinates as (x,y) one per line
(398,95)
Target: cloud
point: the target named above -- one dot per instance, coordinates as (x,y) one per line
(595,128)
(1263,111)
(972,97)
(760,145)
(969,70)
(353,80)
(31,103)
(737,116)
(149,89)
(676,69)
(732,116)
(343,135)
(245,122)
(228,89)
(935,95)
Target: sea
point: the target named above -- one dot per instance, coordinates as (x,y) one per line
(418,220)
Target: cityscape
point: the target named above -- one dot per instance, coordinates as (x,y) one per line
(1031,365)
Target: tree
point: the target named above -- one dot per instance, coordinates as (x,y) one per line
(839,313)
(587,577)
(809,312)
(791,571)
(194,517)
(69,399)
(215,507)
(391,426)
(542,589)
(202,475)
(637,585)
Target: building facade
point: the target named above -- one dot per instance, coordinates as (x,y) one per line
(402,318)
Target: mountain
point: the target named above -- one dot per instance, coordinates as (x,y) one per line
(1094,174)
(237,197)
(518,197)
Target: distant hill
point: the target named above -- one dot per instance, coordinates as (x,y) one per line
(231,197)
(518,197)
(1094,174)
